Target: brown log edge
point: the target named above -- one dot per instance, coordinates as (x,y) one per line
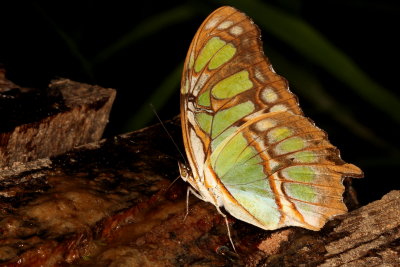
(86,115)
(113,203)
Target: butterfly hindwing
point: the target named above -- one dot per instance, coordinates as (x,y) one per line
(249,146)
(283,171)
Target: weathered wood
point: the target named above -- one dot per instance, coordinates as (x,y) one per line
(368,236)
(111,203)
(83,120)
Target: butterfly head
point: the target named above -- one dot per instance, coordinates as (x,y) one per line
(185,171)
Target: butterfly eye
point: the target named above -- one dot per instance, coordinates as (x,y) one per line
(184,170)
(184,173)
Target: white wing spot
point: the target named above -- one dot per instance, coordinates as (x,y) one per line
(185,88)
(236,30)
(191,60)
(259,75)
(265,124)
(225,25)
(268,95)
(212,23)
(198,150)
(279,107)
(190,116)
(200,83)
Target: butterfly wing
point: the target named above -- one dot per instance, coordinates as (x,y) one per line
(281,170)
(226,52)
(242,128)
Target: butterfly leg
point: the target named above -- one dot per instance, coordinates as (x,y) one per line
(227,226)
(188,191)
(191,190)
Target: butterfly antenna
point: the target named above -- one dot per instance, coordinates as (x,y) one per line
(169,135)
(172,183)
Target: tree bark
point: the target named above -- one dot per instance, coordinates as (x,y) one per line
(82,121)
(368,236)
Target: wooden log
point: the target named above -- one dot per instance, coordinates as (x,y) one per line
(112,203)
(368,236)
(78,118)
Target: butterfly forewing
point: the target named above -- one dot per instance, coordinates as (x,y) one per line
(249,147)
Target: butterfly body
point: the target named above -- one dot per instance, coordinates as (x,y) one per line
(249,147)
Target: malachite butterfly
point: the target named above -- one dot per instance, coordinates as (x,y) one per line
(249,146)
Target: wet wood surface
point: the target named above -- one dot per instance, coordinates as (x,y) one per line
(113,203)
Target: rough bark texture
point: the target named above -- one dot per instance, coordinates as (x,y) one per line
(87,108)
(111,203)
(368,236)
